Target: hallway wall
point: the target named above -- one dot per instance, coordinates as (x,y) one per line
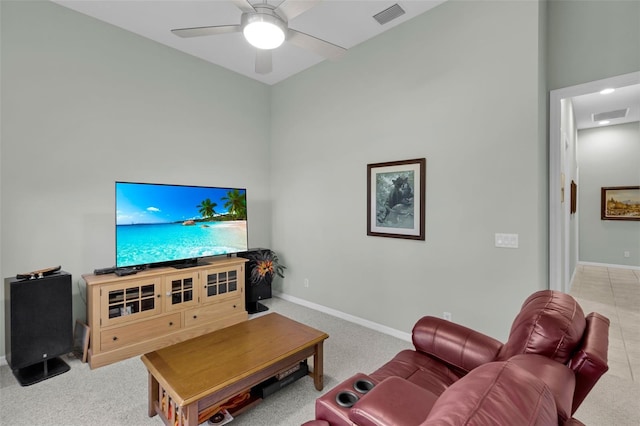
(608,156)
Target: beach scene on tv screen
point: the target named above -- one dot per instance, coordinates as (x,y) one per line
(163,223)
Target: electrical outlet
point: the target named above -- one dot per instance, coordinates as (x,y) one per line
(446,315)
(627,254)
(306,282)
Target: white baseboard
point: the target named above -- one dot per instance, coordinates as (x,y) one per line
(347,317)
(608,265)
(3,360)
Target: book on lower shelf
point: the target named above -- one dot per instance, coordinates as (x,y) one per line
(222,417)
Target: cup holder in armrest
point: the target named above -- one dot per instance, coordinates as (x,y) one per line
(346,399)
(362,385)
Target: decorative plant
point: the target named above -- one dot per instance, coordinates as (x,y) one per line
(267,264)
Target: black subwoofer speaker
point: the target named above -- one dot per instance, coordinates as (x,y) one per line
(254,292)
(38,326)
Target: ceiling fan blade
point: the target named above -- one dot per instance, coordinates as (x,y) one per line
(316,45)
(205,31)
(263,61)
(292,8)
(244,5)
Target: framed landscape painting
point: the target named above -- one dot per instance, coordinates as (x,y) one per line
(396,199)
(620,203)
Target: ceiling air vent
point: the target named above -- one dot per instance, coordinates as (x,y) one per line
(389,14)
(610,115)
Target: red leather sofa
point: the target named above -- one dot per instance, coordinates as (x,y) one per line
(457,376)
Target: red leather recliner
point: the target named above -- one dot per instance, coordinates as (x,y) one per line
(455,375)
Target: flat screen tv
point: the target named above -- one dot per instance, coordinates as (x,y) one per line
(159,224)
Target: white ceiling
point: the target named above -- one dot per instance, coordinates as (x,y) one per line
(624,97)
(345,23)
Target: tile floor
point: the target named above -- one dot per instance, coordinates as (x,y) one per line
(614,293)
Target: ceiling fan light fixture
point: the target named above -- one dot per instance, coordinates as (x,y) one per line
(264,31)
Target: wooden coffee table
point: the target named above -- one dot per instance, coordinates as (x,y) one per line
(189,378)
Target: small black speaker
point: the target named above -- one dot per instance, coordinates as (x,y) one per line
(38,326)
(254,292)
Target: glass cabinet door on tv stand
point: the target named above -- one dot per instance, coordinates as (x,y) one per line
(125,301)
(220,284)
(181,290)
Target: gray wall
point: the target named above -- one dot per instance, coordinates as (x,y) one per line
(85,104)
(608,156)
(589,41)
(592,40)
(463,86)
(436,87)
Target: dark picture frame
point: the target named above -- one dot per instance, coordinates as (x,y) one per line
(620,203)
(81,340)
(396,193)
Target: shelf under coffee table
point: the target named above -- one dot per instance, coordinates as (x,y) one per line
(190,377)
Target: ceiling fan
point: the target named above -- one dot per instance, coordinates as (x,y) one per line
(266,27)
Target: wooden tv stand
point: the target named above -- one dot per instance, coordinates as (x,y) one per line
(158,307)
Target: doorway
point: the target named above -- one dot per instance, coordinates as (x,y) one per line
(559,186)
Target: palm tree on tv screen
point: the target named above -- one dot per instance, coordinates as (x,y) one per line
(207,208)
(236,203)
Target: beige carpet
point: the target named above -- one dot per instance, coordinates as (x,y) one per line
(117,394)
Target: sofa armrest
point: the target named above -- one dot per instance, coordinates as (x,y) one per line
(453,343)
(559,378)
(589,362)
(392,402)
(497,393)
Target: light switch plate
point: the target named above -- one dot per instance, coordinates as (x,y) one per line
(507,240)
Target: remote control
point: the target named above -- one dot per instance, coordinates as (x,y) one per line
(103,271)
(125,271)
